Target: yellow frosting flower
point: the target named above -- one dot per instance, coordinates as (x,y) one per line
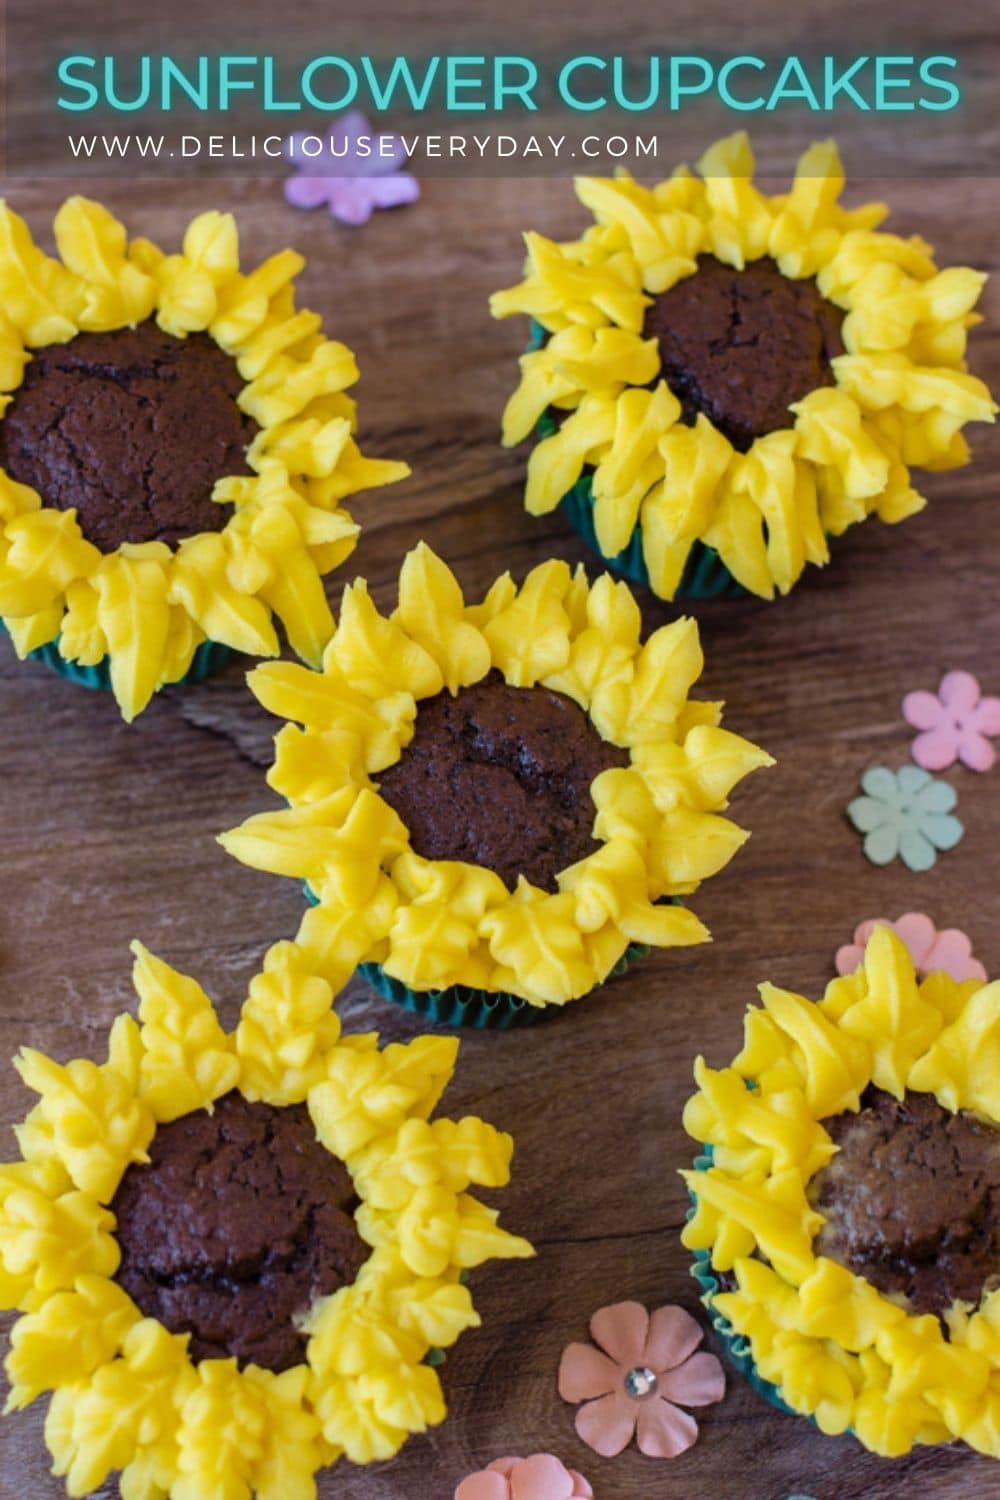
(148,607)
(837,1349)
(901,394)
(125,1393)
(434,923)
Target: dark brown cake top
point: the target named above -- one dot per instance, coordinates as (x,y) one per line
(500,776)
(912,1199)
(132,429)
(741,346)
(239,1223)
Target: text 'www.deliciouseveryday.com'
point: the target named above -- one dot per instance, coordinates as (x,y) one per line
(454,146)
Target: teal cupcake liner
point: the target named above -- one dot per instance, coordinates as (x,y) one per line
(482,1010)
(460,1005)
(705,575)
(209,658)
(735,1345)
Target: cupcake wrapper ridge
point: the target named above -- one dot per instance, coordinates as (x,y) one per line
(481,1010)
(460,1005)
(705,575)
(209,658)
(736,1346)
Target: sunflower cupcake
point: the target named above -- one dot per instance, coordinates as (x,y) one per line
(234,1254)
(845,1221)
(496,805)
(175,442)
(723,380)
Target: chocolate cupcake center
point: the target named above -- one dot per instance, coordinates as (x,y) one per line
(912,1200)
(500,776)
(741,346)
(238,1224)
(132,429)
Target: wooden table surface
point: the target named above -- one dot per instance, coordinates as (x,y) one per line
(108,833)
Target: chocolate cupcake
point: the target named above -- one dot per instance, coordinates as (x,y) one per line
(496,806)
(911,1201)
(845,1218)
(174,444)
(500,777)
(227,1273)
(239,1222)
(721,380)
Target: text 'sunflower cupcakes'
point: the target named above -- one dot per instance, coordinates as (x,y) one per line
(846,1224)
(723,380)
(233,1254)
(175,443)
(496,803)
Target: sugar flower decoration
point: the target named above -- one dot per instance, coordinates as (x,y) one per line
(541,1477)
(837,1349)
(433,924)
(148,606)
(957,724)
(905,814)
(900,393)
(634,1384)
(930,949)
(126,1395)
(356,171)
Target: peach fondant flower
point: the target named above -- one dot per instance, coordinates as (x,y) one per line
(956,723)
(948,949)
(541,1477)
(644,1370)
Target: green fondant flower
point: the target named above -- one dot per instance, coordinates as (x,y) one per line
(905,814)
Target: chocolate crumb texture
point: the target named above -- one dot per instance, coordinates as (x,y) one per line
(912,1200)
(238,1224)
(500,776)
(132,429)
(741,345)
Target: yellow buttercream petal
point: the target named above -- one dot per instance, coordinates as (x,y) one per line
(287,1026)
(431,610)
(187,1060)
(50,1234)
(72,1334)
(95,1125)
(93,245)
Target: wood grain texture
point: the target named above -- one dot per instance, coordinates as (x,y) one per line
(107,833)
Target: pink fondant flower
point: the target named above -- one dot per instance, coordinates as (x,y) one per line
(957,724)
(541,1477)
(644,1370)
(949,949)
(352,170)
